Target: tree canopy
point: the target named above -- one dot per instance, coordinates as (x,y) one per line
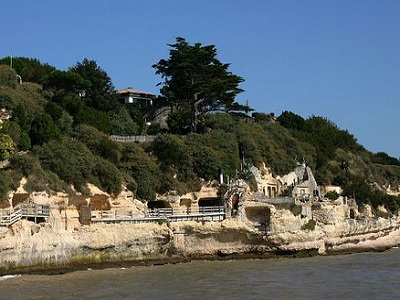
(99,94)
(195,79)
(30,69)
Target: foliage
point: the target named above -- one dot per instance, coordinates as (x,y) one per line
(220,121)
(24,102)
(30,69)
(121,121)
(296,209)
(43,130)
(21,117)
(179,120)
(96,118)
(69,159)
(222,150)
(136,114)
(8,77)
(64,82)
(248,176)
(176,163)
(332,195)
(65,123)
(291,120)
(27,164)
(310,225)
(72,103)
(6,146)
(143,169)
(24,141)
(171,151)
(195,78)
(358,187)
(6,183)
(320,132)
(98,142)
(99,93)
(45,180)
(11,129)
(54,110)
(108,177)
(384,159)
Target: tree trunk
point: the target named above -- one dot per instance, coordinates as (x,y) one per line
(194,117)
(195,112)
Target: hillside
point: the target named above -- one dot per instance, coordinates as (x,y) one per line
(56,127)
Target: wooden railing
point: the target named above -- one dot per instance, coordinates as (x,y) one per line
(36,211)
(213,213)
(8,216)
(23,210)
(203,210)
(112,214)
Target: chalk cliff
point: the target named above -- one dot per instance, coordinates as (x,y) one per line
(27,243)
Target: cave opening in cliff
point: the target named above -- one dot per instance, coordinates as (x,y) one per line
(352,213)
(260,216)
(158,204)
(37,220)
(207,202)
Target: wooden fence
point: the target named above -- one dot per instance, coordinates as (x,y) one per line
(214,213)
(24,210)
(39,211)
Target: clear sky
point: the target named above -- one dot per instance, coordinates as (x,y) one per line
(338,59)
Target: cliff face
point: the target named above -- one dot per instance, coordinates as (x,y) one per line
(26,243)
(344,236)
(255,228)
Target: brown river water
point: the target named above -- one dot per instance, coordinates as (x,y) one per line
(354,276)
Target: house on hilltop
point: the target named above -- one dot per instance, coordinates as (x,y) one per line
(130,95)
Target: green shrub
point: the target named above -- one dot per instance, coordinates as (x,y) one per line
(26,164)
(332,195)
(110,180)
(6,183)
(8,77)
(69,159)
(295,209)
(6,146)
(310,225)
(144,170)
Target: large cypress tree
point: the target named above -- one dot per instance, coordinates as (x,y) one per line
(196,81)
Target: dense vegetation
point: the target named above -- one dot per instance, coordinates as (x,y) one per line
(58,133)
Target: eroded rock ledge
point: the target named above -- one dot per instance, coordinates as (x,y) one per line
(253,228)
(26,243)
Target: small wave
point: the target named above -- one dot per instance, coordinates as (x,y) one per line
(5,277)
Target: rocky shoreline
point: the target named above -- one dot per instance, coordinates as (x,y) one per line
(59,269)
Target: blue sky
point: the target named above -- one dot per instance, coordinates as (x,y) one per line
(337,59)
